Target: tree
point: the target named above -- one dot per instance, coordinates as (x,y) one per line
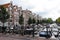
(4,15)
(44,21)
(38,21)
(29,20)
(58,20)
(33,21)
(49,20)
(21,19)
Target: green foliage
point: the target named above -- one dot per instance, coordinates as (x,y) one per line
(3,14)
(49,20)
(21,19)
(29,20)
(44,21)
(33,21)
(58,20)
(38,21)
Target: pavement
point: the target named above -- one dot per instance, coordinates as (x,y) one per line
(20,37)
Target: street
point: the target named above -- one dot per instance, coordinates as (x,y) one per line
(19,37)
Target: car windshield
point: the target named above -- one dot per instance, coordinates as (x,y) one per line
(45,29)
(54,29)
(45,32)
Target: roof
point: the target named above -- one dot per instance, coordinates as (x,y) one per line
(26,11)
(5,5)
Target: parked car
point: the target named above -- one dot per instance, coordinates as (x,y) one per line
(55,32)
(46,34)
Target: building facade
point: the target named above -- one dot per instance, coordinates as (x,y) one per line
(16,11)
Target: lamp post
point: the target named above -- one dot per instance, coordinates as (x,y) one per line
(47,30)
(33,30)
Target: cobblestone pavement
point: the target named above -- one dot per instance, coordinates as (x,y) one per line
(19,37)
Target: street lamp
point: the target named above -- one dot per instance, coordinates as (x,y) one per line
(47,30)
(33,30)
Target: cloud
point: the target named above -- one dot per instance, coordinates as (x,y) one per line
(49,8)
(4,1)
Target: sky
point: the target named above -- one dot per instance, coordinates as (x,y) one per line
(45,8)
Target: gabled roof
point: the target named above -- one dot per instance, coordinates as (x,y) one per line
(5,5)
